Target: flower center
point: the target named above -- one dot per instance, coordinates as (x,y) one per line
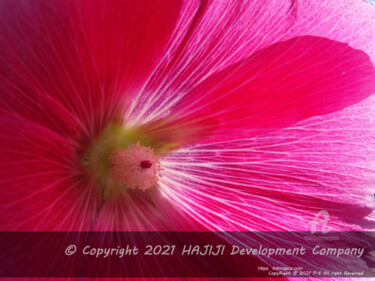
(121,159)
(135,166)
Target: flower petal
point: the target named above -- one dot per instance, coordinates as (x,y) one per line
(349,21)
(72,65)
(42,187)
(281,181)
(275,88)
(136,210)
(215,35)
(210,36)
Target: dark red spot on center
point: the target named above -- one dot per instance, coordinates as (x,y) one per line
(146,164)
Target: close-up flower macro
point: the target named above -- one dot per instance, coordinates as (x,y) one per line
(187,115)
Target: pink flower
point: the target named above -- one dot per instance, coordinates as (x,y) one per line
(231,115)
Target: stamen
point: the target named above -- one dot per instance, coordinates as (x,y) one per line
(135,166)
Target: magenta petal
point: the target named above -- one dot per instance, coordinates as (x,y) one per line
(42,186)
(282,180)
(349,21)
(136,210)
(215,35)
(210,36)
(275,88)
(72,65)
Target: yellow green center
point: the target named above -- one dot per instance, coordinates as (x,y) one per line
(122,158)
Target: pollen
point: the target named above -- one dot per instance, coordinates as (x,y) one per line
(135,167)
